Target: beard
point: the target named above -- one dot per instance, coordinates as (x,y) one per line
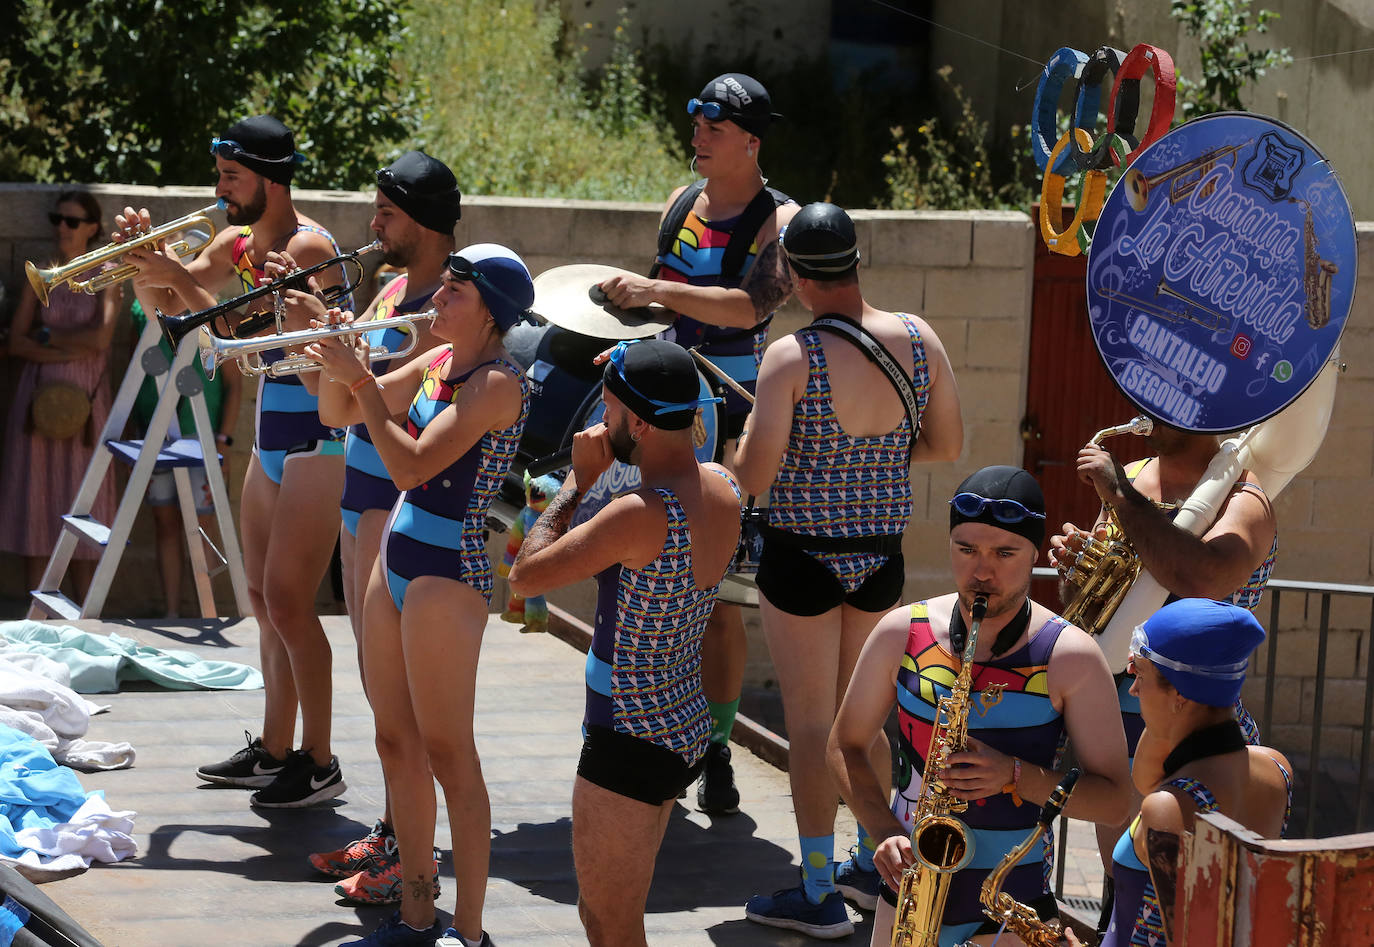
(1000,601)
(398,254)
(622,445)
(247,214)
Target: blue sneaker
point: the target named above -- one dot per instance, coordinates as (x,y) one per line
(396,933)
(857,885)
(791,909)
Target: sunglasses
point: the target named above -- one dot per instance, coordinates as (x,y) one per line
(1003,511)
(617,358)
(55,218)
(711,111)
(232,151)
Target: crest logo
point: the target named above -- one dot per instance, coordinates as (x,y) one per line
(1272,169)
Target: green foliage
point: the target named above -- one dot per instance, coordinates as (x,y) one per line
(951,170)
(132,90)
(1228,62)
(509,112)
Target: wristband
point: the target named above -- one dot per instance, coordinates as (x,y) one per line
(1013,787)
(1126,96)
(1064,65)
(358,385)
(1104,59)
(1071,241)
(224,439)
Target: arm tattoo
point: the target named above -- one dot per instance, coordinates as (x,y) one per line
(769,282)
(1163,850)
(553,522)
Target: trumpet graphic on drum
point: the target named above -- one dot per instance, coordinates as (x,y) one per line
(1193,311)
(1183,179)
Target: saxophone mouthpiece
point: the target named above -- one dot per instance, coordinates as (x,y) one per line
(979,607)
(1060,797)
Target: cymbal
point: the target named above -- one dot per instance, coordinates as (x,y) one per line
(570,298)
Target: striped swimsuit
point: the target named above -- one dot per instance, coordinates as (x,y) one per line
(832,484)
(439,527)
(644,666)
(288,421)
(1137,907)
(1247,596)
(367,485)
(1024,723)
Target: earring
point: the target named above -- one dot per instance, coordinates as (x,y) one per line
(749,152)
(634,436)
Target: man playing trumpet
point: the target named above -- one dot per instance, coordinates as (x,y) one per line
(1230,561)
(290,504)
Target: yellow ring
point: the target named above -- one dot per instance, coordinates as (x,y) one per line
(1071,241)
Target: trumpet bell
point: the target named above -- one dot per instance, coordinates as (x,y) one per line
(1137,189)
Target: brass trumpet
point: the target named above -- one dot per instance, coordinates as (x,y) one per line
(1183,179)
(43,281)
(216,318)
(1207,318)
(215,350)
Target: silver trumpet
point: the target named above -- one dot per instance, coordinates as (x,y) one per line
(215,351)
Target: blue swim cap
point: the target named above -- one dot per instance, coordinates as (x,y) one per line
(1201,647)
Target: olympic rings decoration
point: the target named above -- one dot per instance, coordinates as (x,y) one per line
(1103,60)
(1072,240)
(1064,65)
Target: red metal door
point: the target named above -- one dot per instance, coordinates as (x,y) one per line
(1069,397)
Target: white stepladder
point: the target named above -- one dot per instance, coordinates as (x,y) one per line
(149,454)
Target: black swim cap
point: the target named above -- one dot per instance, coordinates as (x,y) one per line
(261,144)
(657,380)
(425,189)
(745,101)
(992,484)
(820,242)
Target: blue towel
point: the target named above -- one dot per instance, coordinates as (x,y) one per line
(34,791)
(99,662)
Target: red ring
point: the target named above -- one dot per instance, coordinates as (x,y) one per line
(1142,57)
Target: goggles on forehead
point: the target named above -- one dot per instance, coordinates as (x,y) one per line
(617,358)
(1003,511)
(232,151)
(711,111)
(461,268)
(1140,648)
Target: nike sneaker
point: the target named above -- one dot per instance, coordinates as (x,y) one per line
(301,783)
(251,766)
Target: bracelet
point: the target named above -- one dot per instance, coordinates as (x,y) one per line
(358,385)
(1012,787)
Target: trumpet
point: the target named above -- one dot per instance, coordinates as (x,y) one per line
(1195,312)
(217,317)
(44,281)
(1183,179)
(216,350)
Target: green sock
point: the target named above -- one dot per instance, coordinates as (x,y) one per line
(722,719)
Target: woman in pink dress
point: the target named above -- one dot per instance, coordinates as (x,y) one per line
(66,340)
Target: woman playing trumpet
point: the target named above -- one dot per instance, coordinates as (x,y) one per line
(426,601)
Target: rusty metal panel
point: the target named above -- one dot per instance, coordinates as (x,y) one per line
(1243,891)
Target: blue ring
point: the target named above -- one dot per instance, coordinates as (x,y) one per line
(1064,65)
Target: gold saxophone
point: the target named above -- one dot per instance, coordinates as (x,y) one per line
(1014,916)
(1104,571)
(941,843)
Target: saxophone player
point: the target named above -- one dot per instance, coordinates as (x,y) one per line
(1054,681)
(1230,561)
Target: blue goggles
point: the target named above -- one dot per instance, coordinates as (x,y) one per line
(1140,648)
(1003,511)
(711,111)
(231,150)
(617,358)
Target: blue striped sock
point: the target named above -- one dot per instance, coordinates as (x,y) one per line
(818,869)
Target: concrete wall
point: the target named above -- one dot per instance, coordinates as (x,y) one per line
(970,275)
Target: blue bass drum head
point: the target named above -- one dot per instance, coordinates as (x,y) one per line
(624,478)
(1221,272)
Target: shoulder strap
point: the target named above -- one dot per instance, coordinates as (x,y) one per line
(849,330)
(673,220)
(747,227)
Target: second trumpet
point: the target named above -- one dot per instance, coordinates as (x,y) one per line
(248,352)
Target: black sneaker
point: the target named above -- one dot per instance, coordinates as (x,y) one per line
(251,766)
(301,783)
(716,793)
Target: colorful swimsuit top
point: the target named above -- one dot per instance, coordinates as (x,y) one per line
(1136,908)
(644,666)
(462,492)
(830,483)
(1249,594)
(288,414)
(695,258)
(1023,723)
